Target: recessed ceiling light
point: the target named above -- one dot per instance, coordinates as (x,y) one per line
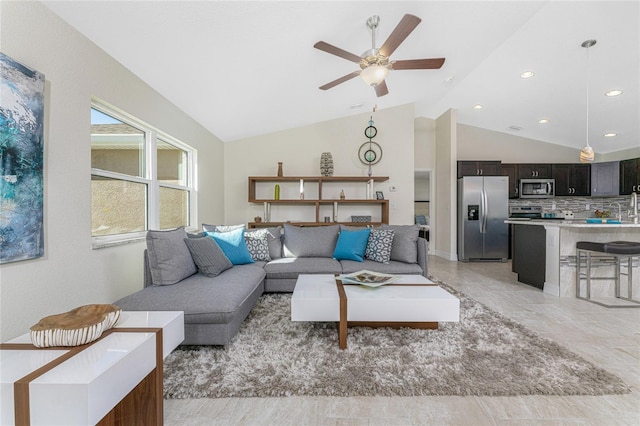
(614,92)
(449,79)
(515,128)
(527,74)
(358,105)
(610,134)
(543,121)
(477,106)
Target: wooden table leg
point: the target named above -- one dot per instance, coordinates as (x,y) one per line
(342,325)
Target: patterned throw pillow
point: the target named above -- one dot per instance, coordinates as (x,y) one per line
(379,245)
(258,245)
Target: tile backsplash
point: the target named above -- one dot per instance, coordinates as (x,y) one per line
(582,207)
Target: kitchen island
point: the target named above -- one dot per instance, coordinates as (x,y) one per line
(560,238)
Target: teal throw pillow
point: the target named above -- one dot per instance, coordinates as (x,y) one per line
(233,246)
(351,245)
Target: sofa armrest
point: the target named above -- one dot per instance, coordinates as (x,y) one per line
(423,246)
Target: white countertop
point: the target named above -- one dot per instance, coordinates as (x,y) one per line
(572,223)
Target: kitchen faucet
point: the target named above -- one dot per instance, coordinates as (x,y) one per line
(634,207)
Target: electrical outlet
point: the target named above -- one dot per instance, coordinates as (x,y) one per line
(393,188)
(587,206)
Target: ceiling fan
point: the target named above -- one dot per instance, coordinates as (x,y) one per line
(375,63)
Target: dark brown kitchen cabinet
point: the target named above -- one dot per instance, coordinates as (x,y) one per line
(478,168)
(511,170)
(572,179)
(630,176)
(534,171)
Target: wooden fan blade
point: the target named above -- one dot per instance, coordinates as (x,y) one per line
(329,48)
(418,64)
(407,24)
(340,80)
(381,89)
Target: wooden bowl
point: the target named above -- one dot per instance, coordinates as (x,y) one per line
(77,327)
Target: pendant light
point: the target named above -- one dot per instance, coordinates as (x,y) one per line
(587,155)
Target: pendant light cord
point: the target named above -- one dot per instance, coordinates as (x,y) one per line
(588,67)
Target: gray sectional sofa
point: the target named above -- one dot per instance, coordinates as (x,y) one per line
(217,296)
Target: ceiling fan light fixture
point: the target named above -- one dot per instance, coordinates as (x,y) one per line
(374,74)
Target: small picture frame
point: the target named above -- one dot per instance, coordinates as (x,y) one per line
(379,195)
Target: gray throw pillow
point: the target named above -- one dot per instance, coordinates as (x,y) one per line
(258,245)
(405,242)
(274,239)
(169,257)
(317,241)
(379,245)
(208,256)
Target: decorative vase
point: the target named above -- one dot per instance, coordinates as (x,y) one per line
(326,164)
(276,192)
(342,194)
(257,219)
(279,169)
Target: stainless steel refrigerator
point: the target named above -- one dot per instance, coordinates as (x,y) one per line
(483,206)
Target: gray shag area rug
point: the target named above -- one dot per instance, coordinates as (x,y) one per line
(484,354)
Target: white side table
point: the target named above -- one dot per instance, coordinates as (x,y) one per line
(114,380)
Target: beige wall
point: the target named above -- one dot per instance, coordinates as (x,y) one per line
(72,274)
(300,149)
(475,143)
(444,225)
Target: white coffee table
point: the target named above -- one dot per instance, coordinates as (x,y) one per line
(411,301)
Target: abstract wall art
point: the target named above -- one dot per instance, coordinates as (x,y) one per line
(21,161)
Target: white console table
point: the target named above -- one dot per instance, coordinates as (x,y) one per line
(114,380)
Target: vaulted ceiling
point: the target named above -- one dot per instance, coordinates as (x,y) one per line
(248,68)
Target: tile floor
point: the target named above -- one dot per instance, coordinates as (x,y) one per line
(608,337)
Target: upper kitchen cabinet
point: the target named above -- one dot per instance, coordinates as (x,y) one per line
(629,176)
(534,171)
(478,168)
(572,179)
(511,170)
(605,179)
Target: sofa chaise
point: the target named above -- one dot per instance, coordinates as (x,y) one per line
(216,287)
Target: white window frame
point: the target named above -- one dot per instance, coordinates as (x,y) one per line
(150,177)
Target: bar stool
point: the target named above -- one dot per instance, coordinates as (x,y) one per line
(615,249)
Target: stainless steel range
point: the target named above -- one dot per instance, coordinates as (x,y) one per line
(525,212)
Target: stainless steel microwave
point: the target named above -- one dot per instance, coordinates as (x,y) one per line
(537,188)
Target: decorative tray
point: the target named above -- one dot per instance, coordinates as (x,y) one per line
(367,278)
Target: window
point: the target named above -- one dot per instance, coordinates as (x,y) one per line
(141,178)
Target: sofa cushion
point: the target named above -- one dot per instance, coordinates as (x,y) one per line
(204,300)
(233,245)
(379,245)
(208,256)
(405,240)
(309,242)
(393,267)
(351,245)
(257,245)
(274,239)
(292,267)
(169,258)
